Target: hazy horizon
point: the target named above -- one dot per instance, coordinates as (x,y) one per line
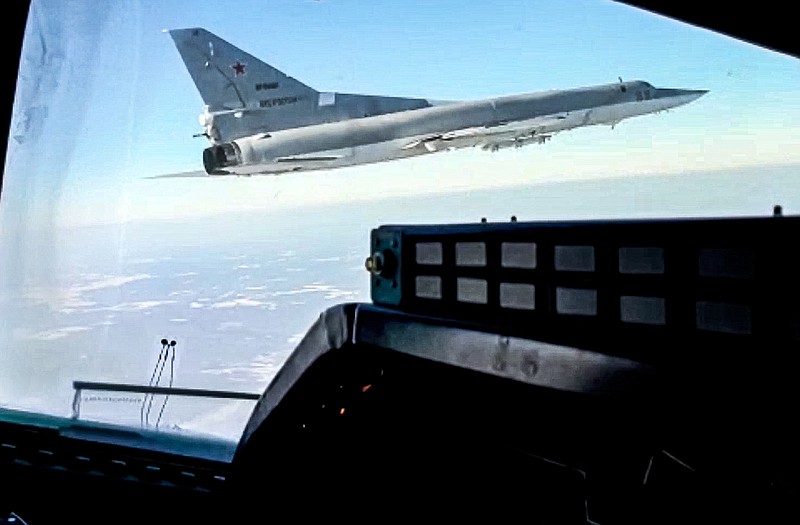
(764,179)
(238,291)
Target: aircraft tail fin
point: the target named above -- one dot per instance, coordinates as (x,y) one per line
(230,79)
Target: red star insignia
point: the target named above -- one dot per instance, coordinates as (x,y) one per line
(238,68)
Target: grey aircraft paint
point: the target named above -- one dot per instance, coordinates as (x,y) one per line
(261,121)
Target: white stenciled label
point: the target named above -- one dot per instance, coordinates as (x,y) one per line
(471,290)
(576,301)
(574,258)
(470,254)
(518,296)
(642,310)
(641,260)
(429,253)
(428,287)
(518,255)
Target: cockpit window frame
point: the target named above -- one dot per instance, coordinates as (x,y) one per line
(16,15)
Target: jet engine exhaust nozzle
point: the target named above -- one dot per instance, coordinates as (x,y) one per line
(216,158)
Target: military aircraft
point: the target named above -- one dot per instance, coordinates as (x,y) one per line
(261,121)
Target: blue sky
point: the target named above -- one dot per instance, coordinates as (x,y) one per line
(119,105)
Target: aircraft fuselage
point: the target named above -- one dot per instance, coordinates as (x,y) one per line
(493,124)
(260,120)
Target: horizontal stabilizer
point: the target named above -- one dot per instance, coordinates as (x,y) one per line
(182,175)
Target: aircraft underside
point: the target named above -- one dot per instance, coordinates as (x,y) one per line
(512,135)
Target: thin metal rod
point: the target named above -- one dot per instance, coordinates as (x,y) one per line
(189,392)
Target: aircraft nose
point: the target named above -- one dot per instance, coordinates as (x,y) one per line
(693,94)
(679,97)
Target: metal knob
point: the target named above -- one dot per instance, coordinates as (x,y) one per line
(375,263)
(382,264)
